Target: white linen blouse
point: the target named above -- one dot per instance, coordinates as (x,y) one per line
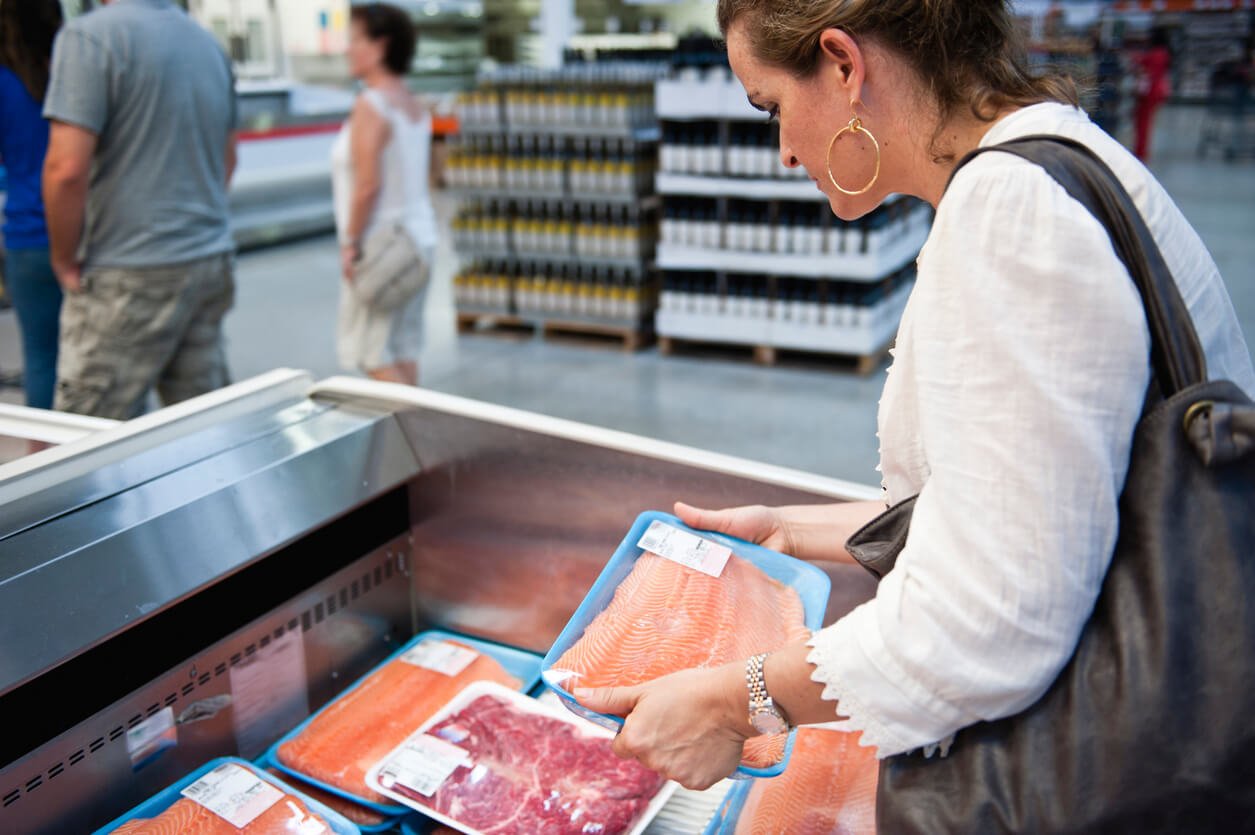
(1021,367)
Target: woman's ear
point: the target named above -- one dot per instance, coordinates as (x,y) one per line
(841,56)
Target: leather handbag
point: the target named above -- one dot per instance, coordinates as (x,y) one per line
(391,271)
(1150,727)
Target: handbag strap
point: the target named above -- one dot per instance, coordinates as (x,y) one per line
(1176,354)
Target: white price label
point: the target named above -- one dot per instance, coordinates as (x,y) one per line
(440,656)
(152,736)
(422,764)
(234,794)
(687,549)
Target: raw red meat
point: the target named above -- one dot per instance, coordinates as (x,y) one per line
(535,775)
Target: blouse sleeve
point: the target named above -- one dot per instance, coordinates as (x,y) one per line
(1030,363)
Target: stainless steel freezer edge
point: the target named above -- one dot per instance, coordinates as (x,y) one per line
(126,557)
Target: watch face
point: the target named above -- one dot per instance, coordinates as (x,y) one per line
(767,721)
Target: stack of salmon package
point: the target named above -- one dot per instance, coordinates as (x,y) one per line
(673,599)
(230,796)
(335,748)
(829,788)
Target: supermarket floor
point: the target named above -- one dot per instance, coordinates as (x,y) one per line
(805,414)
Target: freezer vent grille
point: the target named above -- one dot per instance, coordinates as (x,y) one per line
(304,621)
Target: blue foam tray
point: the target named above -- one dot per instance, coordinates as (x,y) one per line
(264,761)
(166,798)
(524,666)
(725,819)
(811,584)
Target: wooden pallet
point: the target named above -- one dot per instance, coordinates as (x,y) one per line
(861,364)
(633,339)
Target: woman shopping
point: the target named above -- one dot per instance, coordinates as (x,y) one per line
(1023,364)
(27,30)
(384,215)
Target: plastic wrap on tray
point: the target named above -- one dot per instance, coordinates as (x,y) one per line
(497,761)
(230,797)
(673,599)
(335,747)
(366,819)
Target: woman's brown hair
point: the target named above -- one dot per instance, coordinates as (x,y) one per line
(967,53)
(27,30)
(387,22)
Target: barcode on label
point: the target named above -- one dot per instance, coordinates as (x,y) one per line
(422,765)
(440,656)
(234,794)
(687,549)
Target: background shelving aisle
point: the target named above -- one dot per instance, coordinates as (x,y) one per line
(558,221)
(750,252)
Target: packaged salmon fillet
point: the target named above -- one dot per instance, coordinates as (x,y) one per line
(494,760)
(829,788)
(335,747)
(230,796)
(366,819)
(674,599)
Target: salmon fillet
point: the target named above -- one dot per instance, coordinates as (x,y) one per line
(363,726)
(355,812)
(288,816)
(828,788)
(665,617)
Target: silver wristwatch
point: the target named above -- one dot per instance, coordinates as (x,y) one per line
(765,717)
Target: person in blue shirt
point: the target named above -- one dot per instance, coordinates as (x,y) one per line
(27,30)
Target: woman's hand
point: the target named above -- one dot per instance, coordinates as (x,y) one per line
(349,255)
(689,726)
(754,523)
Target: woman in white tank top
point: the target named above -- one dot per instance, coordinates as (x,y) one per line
(380,175)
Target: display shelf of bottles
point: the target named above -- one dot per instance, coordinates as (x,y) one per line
(592,170)
(559,218)
(612,236)
(610,100)
(689,184)
(772,313)
(711,93)
(557,197)
(750,250)
(790,238)
(572,297)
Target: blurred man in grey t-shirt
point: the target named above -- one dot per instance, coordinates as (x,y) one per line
(142,147)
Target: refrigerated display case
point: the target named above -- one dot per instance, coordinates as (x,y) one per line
(223,567)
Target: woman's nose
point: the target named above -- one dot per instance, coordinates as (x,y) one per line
(787,157)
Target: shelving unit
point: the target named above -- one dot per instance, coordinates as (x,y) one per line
(750,252)
(558,223)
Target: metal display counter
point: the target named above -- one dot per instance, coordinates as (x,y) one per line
(192,583)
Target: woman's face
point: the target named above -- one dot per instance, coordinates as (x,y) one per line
(810,112)
(365,55)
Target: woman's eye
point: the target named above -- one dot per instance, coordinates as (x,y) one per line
(773,116)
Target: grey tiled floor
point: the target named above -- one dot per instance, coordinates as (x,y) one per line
(809,416)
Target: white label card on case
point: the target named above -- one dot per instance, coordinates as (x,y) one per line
(234,794)
(152,736)
(687,549)
(422,764)
(440,656)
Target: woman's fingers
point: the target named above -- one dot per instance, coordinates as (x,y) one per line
(617,701)
(753,523)
(705,520)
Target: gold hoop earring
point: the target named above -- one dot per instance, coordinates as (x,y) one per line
(855,126)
